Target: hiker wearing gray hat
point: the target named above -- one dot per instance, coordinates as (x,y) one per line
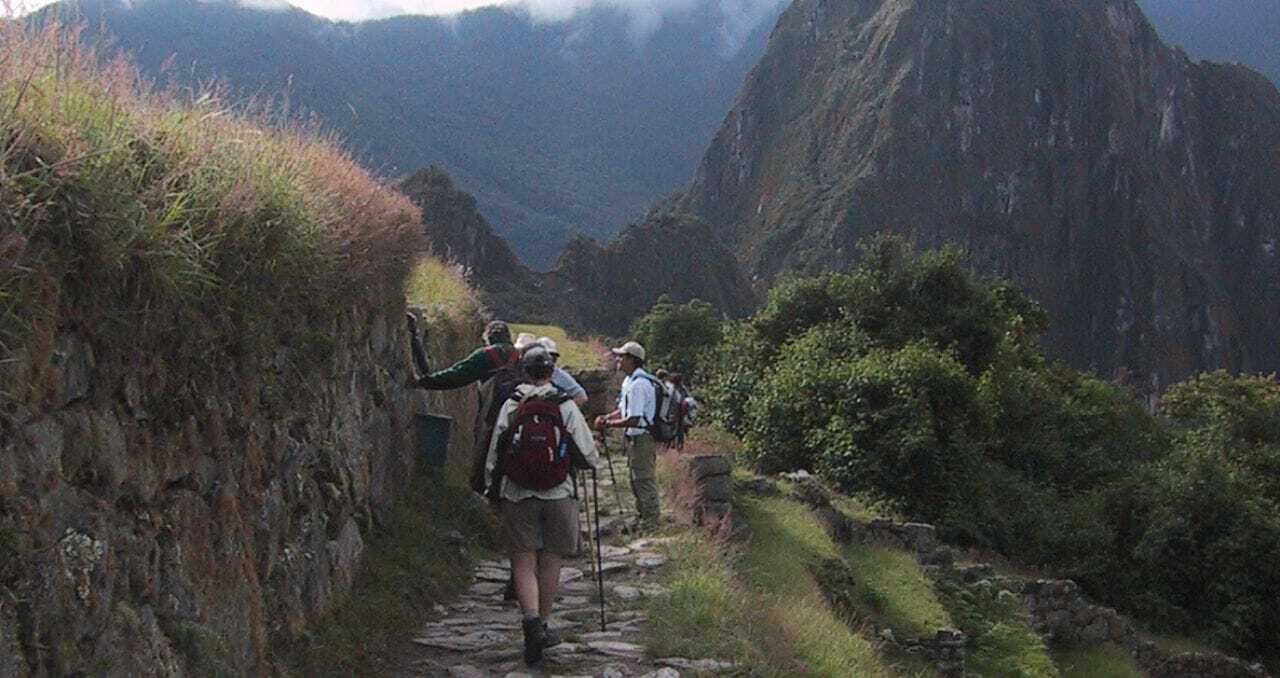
(637,409)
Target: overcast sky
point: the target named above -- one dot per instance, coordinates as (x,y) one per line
(355,10)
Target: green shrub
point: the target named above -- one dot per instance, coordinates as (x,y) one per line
(731,373)
(1208,549)
(905,425)
(675,334)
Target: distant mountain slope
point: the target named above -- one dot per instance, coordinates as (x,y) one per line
(1133,192)
(558,128)
(1247,31)
(592,287)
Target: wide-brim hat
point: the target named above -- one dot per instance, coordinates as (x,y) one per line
(526,340)
(630,348)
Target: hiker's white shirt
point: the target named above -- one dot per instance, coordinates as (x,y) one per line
(574,423)
(638,400)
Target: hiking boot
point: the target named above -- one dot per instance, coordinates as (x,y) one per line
(535,639)
(552,636)
(509,592)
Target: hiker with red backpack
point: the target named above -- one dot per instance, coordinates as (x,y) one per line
(537,435)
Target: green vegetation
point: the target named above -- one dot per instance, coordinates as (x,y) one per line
(575,354)
(1002,643)
(914,383)
(896,590)
(409,565)
(760,604)
(130,213)
(675,335)
(1103,661)
(441,288)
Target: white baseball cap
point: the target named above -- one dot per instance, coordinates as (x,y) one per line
(550,345)
(630,348)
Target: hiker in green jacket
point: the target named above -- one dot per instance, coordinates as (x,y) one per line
(479,366)
(495,366)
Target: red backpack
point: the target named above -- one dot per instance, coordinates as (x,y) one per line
(536,446)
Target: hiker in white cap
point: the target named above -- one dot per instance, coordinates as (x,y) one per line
(637,408)
(561,379)
(525,341)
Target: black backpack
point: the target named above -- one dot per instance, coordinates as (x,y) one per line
(506,378)
(502,383)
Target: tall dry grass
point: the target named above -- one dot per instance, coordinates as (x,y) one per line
(170,222)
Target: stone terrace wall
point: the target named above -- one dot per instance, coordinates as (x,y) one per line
(1057,609)
(128,547)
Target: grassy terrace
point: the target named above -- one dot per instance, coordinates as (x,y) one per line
(575,354)
(787,601)
(130,211)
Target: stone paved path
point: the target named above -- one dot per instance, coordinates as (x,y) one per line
(479,635)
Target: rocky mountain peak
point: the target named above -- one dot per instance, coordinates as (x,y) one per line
(1132,191)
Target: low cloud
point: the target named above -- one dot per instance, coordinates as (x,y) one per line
(739,16)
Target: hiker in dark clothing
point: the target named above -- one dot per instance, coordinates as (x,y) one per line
(495,366)
(477,367)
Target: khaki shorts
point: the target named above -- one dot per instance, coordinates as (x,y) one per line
(541,525)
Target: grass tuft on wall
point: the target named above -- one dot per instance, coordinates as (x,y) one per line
(169,222)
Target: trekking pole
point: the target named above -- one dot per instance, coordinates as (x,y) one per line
(617,493)
(595,491)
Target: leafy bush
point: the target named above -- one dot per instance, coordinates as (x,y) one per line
(906,427)
(675,334)
(1208,519)
(730,374)
(911,380)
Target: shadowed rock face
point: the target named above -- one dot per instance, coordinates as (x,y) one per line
(592,287)
(1134,193)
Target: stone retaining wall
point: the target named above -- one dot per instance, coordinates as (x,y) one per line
(1056,608)
(131,544)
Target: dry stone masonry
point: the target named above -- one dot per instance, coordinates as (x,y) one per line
(134,544)
(1057,609)
(713,480)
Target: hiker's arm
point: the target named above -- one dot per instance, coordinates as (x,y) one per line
(565,382)
(421,366)
(469,370)
(499,428)
(637,402)
(602,421)
(576,424)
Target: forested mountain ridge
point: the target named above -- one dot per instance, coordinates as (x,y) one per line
(592,287)
(558,128)
(1133,192)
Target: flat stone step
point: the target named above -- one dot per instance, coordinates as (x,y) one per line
(616,648)
(470,642)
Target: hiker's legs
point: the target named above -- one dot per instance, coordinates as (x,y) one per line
(524,566)
(642,455)
(548,582)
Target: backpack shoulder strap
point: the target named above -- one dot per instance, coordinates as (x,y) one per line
(498,361)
